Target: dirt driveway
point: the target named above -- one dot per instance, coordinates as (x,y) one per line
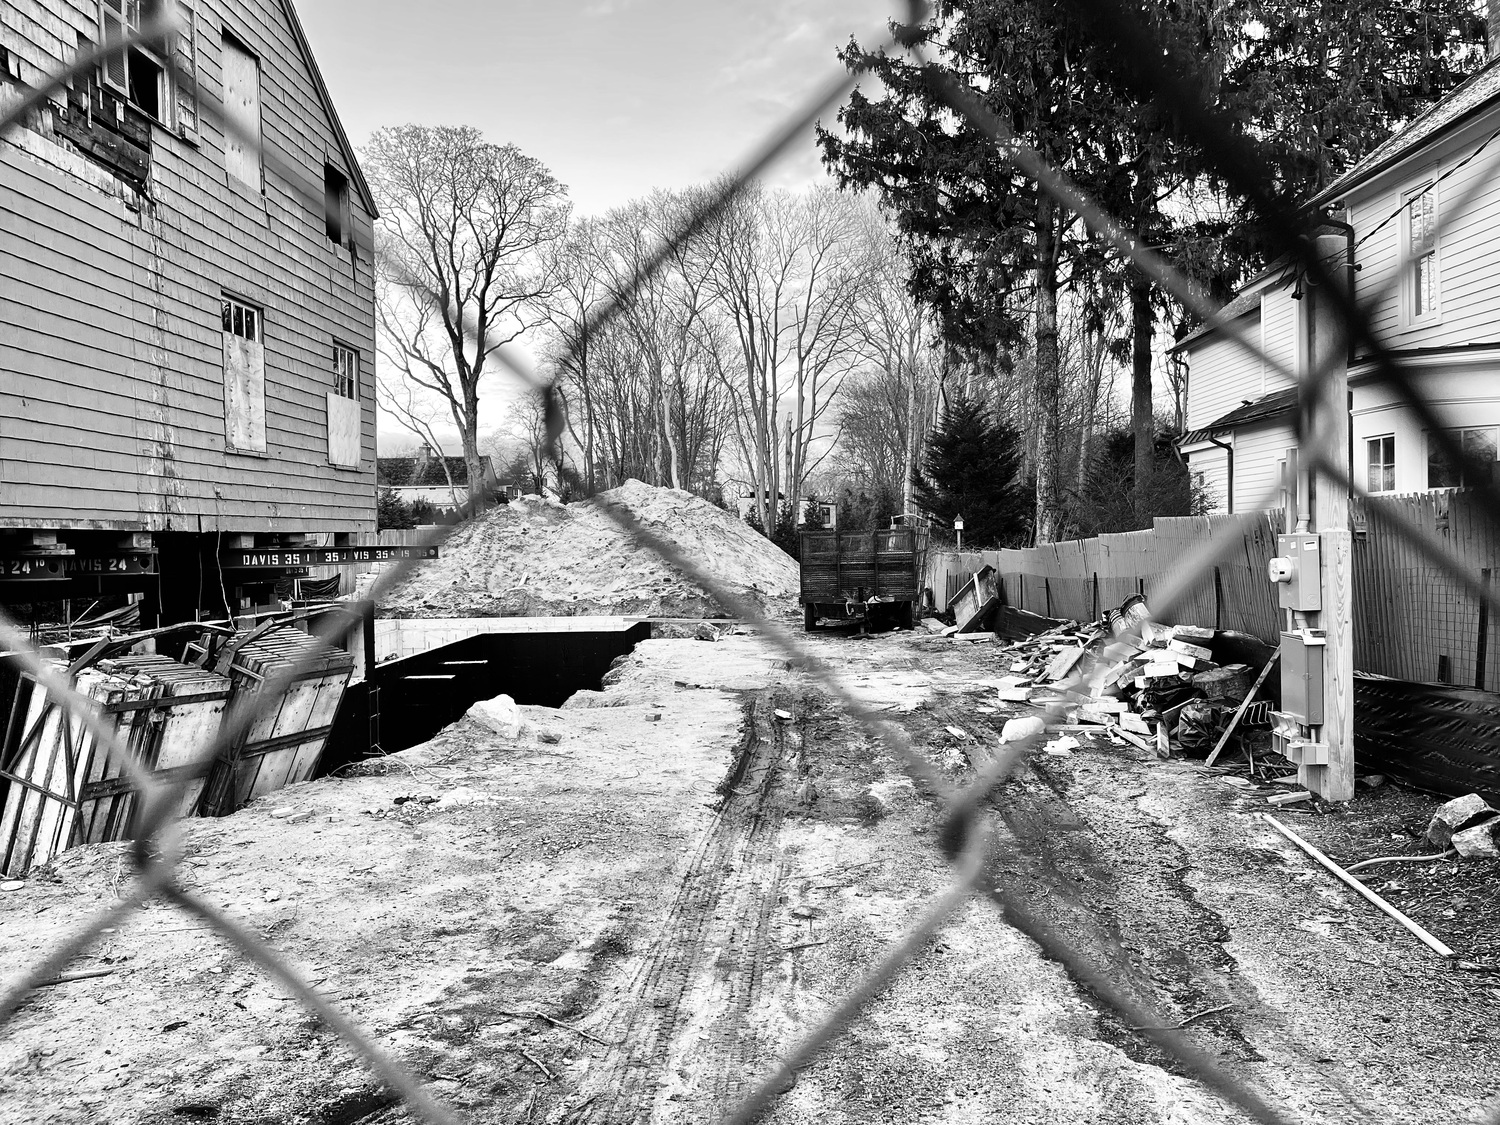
(685,882)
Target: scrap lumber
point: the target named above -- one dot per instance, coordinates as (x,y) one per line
(1240,711)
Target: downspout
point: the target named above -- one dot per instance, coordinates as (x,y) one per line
(1229,454)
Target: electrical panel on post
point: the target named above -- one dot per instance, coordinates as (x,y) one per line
(1297,572)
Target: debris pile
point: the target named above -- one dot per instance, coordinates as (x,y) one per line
(1159,687)
(537,557)
(1467,825)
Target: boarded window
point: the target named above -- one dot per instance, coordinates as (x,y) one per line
(244,377)
(343,408)
(185,53)
(335,204)
(241,114)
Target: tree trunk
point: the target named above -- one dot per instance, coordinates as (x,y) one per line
(1142,423)
(1048,397)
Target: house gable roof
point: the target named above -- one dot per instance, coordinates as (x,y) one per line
(418,472)
(1267,408)
(1462,103)
(356,173)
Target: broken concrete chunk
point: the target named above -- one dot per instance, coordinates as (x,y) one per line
(1478,841)
(1193,633)
(1060,747)
(1197,652)
(499,714)
(1455,816)
(1017,729)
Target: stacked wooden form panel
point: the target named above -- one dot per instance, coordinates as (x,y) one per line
(60,788)
(283,744)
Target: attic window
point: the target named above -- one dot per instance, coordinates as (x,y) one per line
(336,204)
(136,73)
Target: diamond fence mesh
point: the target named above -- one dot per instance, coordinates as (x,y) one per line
(968,840)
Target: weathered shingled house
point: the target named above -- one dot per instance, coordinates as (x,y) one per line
(186,308)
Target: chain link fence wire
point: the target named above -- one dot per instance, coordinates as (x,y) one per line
(969,839)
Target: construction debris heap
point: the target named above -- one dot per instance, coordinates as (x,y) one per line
(536,557)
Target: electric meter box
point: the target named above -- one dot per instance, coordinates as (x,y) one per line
(1302,589)
(1302,676)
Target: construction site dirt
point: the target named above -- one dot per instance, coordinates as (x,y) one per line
(630,910)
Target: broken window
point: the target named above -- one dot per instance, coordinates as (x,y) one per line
(140,75)
(1477,466)
(244,377)
(336,204)
(1421,241)
(1380,453)
(345,371)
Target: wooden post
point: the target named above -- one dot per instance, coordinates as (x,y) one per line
(1326,435)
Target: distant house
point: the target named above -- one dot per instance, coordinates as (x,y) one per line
(1441,317)
(810,513)
(440,481)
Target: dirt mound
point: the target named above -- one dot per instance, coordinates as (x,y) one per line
(536,557)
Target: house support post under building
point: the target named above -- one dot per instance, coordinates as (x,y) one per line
(1325,436)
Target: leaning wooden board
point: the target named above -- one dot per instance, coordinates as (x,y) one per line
(284,742)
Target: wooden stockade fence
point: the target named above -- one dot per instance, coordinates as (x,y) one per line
(1412,621)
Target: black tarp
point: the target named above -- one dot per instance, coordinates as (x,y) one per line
(1433,736)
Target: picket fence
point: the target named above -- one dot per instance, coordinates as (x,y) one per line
(1412,620)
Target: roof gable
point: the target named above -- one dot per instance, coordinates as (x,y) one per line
(1466,101)
(357,174)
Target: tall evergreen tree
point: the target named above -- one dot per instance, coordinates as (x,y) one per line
(973,469)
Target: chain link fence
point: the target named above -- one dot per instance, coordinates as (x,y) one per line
(968,839)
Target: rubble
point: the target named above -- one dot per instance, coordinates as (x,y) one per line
(1158,689)
(540,558)
(1451,819)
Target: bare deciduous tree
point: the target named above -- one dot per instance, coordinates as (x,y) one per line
(461,260)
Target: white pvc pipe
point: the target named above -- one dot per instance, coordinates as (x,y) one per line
(1344,876)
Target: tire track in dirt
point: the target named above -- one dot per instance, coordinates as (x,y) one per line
(687,1045)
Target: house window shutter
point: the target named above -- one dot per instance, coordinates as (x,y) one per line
(185,58)
(113,22)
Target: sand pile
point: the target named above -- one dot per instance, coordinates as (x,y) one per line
(536,557)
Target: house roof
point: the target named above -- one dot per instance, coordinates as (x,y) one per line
(1247,300)
(420,472)
(1465,101)
(1264,409)
(358,175)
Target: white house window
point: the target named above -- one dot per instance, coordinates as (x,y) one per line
(1421,244)
(244,377)
(1479,447)
(1380,455)
(345,371)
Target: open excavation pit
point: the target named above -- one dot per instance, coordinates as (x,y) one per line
(434,669)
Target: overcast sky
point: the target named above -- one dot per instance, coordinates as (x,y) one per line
(614,96)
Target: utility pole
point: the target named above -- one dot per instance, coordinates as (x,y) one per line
(1314,567)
